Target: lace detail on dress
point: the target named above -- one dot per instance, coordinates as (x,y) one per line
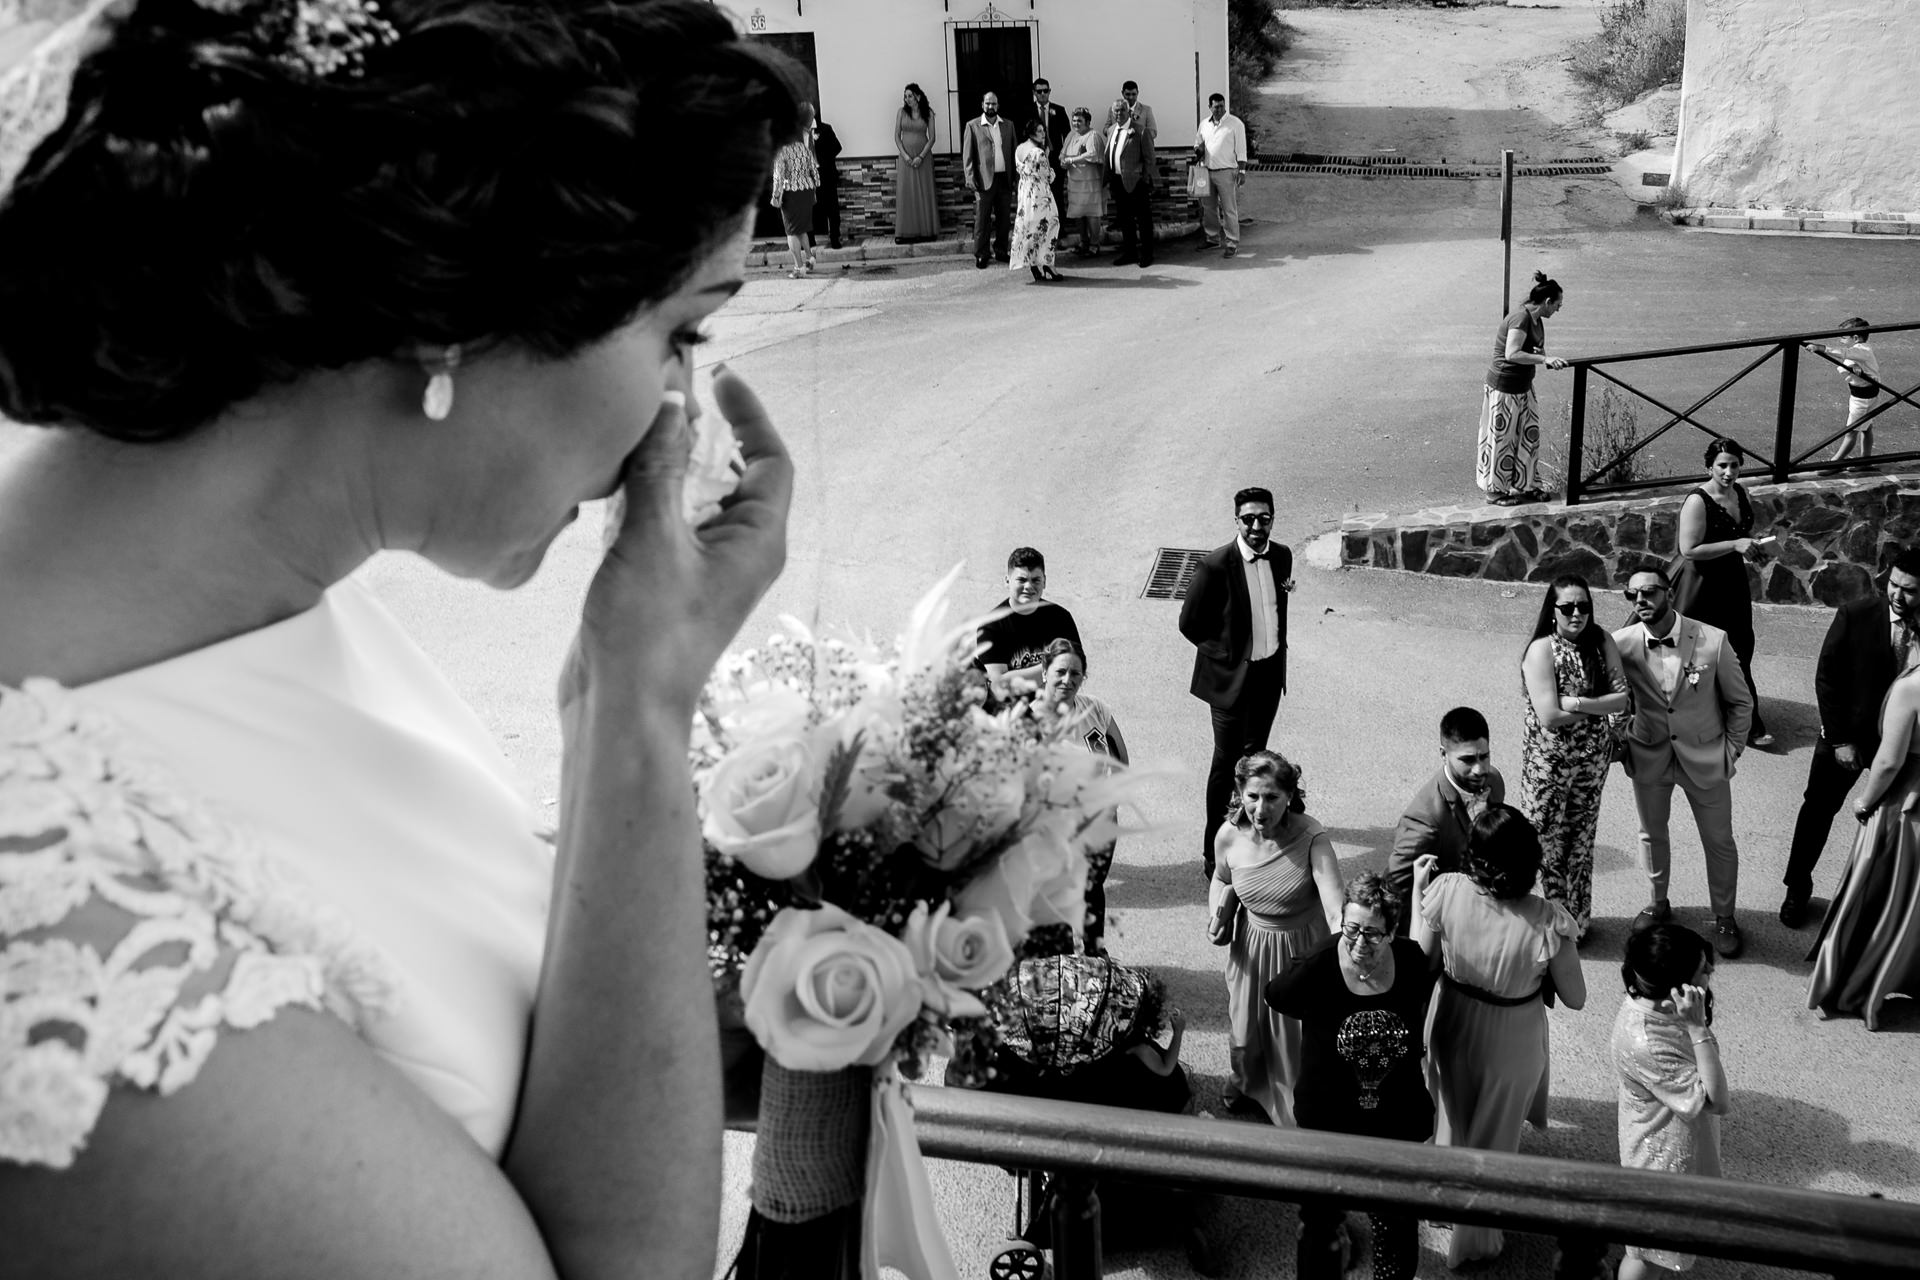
(170,925)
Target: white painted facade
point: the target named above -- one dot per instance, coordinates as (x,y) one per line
(1809,104)
(869,50)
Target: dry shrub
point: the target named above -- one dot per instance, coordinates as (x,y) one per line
(1642,45)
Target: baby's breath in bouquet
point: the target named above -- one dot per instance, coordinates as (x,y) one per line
(878,845)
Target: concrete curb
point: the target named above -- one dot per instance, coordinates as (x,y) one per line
(766,253)
(1821,221)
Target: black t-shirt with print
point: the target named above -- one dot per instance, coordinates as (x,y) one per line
(1019,638)
(1360,1069)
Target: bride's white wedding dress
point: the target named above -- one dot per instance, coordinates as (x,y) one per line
(304,814)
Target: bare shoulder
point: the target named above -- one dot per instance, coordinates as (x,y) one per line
(295,1152)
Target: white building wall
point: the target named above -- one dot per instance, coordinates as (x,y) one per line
(868,50)
(1801,103)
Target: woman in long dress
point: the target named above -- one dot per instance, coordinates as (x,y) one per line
(1576,701)
(1501,948)
(916,209)
(1716,531)
(1869,945)
(1506,464)
(1036,219)
(1083,155)
(1276,897)
(288,986)
(1086,719)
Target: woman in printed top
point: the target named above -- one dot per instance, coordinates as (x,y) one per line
(295,284)
(1084,718)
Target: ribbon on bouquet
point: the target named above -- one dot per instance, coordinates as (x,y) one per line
(900,1229)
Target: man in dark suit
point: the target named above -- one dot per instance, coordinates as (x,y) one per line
(1440,816)
(1235,615)
(1129,150)
(986,163)
(1867,645)
(826,208)
(1043,107)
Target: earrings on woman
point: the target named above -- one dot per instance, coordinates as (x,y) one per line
(438,402)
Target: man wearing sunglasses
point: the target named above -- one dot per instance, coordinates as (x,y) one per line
(1691,710)
(1235,615)
(1870,642)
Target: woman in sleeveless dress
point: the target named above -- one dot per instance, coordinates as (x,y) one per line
(1083,155)
(1869,945)
(1507,461)
(1575,691)
(916,211)
(274,911)
(1502,948)
(1276,897)
(1716,531)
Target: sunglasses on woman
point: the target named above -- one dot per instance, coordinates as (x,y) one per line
(1567,608)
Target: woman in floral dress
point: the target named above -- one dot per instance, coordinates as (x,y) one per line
(1036,218)
(1576,702)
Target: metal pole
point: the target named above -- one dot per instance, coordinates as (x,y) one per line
(1783,419)
(1577,435)
(1076,1228)
(1506,232)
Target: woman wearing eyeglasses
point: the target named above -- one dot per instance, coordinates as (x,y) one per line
(1576,703)
(1361,1004)
(1503,952)
(1276,899)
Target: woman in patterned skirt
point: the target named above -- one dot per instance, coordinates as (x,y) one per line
(1507,465)
(1576,702)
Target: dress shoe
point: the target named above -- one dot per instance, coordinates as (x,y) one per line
(1793,909)
(1146,261)
(980,263)
(1124,258)
(1004,260)
(1209,244)
(1760,740)
(1659,913)
(1232,249)
(1727,942)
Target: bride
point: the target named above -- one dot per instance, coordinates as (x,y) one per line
(292,284)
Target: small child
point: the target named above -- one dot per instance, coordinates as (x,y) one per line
(1673,1089)
(1856,360)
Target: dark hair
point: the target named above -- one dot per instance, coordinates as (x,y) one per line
(1274,767)
(1657,571)
(1026,558)
(1662,958)
(924,108)
(1058,646)
(1720,445)
(1041,82)
(1503,853)
(208,221)
(1370,892)
(1907,562)
(1245,496)
(1463,724)
(1128,84)
(1544,290)
(1591,642)
(1220,98)
(1854,324)
(1037,125)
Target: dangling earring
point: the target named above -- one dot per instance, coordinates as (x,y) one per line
(438,402)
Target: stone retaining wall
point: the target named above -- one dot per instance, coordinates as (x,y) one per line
(1834,537)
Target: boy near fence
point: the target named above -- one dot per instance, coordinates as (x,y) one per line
(1855,359)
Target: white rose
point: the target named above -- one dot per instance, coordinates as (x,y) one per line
(713,468)
(971,814)
(825,991)
(956,957)
(762,806)
(1038,881)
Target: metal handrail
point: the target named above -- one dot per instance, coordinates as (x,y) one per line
(1780,462)
(1852,1236)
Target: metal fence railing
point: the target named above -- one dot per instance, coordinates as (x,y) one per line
(1781,456)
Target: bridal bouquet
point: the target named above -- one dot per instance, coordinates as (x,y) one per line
(878,846)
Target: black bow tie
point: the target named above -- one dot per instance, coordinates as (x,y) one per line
(1655,643)
(1262,555)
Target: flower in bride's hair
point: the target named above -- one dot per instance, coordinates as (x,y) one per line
(957,956)
(762,805)
(823,990)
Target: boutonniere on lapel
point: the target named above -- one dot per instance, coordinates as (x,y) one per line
(1693,671)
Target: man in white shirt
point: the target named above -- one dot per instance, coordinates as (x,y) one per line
(1691,711)
(1235,615)
(1221,145)
(986,164)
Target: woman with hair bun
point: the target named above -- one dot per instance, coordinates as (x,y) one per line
(295,284)
(1506,465)
(1504,953)
(1275,898)
(1715,534)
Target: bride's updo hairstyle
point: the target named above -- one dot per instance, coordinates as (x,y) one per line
(214,217)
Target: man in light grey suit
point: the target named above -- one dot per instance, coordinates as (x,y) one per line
(986,163)
(1691,710)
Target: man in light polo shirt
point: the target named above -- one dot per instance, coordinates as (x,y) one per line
(1221,145)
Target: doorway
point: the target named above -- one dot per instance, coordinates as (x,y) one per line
(990,58)
(797,45)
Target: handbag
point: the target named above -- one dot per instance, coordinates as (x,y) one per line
(1199,185)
